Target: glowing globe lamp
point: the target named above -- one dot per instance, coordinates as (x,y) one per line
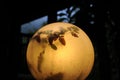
(60,51)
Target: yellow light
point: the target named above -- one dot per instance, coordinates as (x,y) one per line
(60,51)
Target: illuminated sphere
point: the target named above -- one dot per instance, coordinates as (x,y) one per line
(60,51)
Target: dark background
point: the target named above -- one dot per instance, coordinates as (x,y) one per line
(104,33)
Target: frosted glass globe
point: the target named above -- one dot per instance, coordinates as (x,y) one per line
(60,51)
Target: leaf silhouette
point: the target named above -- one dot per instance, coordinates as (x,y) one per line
(50,39)
(40,60)
(37,38)
(53,46)
(74,34)
(62,40)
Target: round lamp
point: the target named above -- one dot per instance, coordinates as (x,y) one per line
(60,51)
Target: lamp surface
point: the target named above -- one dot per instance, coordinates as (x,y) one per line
(60,51)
